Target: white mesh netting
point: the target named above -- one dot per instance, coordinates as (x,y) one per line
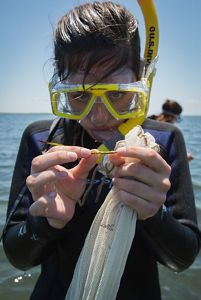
(102,261)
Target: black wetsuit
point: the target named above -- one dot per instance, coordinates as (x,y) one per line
(171,237)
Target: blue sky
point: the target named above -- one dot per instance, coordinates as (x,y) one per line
(26,51)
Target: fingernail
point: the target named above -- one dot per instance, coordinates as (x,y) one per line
(52,194)
(63,174)
(121,150)
(85,152)
(114,180)
(72,156)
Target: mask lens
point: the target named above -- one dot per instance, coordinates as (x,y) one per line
(125,101)
(72,102)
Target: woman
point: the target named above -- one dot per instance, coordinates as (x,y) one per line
(97,51)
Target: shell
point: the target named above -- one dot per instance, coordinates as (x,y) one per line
(135,137)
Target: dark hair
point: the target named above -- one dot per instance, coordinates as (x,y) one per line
(97,33)
(171,106)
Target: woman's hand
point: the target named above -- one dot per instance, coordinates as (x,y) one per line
(143,183)
(55,189)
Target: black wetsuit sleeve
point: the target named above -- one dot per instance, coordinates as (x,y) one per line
(172,234)
(27,240)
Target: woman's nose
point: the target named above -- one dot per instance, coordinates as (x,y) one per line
(99,114)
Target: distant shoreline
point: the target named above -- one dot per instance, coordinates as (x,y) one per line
(26,113)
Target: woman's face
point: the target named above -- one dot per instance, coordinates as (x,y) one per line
(99,122)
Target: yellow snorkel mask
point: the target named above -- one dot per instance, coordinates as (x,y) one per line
(123,101)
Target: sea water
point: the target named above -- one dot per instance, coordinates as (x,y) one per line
(16,284)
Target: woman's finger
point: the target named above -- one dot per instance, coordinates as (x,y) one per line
(52,206)
(36,182)
(144,174)
(147,156)
(81,171)
(143,208)
(141,190)
(116,160)
(39,207)
(48,160)
(80,151)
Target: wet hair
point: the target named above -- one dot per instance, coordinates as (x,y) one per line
(171,107)
(97,33)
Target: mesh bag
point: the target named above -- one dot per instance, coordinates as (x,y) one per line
(102,261)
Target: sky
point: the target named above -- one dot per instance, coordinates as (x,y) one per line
(26,52)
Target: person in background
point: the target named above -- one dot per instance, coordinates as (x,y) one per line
(96,52)
(171,113)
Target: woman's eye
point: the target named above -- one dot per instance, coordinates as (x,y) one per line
(115,95)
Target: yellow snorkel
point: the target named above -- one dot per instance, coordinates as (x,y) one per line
(150,53)
(152,32)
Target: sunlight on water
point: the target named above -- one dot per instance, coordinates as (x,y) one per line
(22,278)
